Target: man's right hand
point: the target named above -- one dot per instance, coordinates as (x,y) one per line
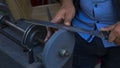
(65,14)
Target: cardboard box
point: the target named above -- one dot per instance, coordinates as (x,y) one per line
(20,8)
(24,9)
(41,12)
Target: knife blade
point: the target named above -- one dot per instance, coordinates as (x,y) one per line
(100,34)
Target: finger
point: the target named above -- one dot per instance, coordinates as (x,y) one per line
(109,28)
(112,37)
(67,23)
(117,41)
(67,20)
(48,34)
(58,17)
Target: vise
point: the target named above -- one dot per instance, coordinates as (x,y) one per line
(22,45)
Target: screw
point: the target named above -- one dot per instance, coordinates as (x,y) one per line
(63,53)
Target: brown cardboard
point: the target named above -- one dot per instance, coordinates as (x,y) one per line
(23,9)
(40,12)
(20,8)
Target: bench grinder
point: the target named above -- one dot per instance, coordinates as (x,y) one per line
(30,40)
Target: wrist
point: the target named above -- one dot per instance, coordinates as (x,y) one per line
(64,2)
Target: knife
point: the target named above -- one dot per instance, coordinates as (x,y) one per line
(100,34)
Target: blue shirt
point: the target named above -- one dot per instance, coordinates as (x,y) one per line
(94,15)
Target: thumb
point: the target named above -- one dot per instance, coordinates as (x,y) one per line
(108,28)
(67,21)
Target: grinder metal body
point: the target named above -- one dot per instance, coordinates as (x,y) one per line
(53,54)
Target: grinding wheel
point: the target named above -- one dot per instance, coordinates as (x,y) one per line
(58,49)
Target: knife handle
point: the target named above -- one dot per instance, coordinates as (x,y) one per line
(106,34)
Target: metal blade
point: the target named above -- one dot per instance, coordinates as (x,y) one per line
(69,28)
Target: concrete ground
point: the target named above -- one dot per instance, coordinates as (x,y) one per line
(97,66)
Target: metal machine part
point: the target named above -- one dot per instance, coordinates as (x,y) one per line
(58,49)
(5,10)
(53,54)
(31,34)
(100,34)
(18,59)
(26,35)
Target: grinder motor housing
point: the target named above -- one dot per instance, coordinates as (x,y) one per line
(53,54)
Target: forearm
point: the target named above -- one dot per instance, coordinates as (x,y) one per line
(63,2)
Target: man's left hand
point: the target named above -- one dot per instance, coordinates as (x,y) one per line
(114,35)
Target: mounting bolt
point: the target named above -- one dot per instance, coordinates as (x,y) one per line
(63,53)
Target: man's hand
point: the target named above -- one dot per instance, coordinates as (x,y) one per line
(114,35)
(65,13)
